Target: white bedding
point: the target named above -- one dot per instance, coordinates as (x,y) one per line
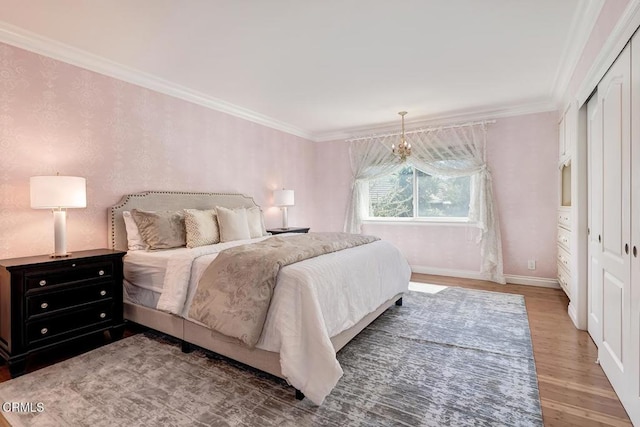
(314,300)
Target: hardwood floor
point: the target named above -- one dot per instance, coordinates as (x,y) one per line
(573,389)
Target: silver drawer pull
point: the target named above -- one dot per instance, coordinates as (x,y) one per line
(103,315)
(44,331)
(44,305)
(43,282)
(101,273)
(103,293)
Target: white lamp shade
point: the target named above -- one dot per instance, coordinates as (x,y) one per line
(51,192)
(283,198)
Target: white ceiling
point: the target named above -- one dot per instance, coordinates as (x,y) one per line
(320,68)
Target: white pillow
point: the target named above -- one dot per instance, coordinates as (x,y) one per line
(233,224)
(255,222)
(201,226)
(134,239)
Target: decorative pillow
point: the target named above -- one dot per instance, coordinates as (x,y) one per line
(161,229)
(134,239)
(233,224)
(201,227)
(256,222)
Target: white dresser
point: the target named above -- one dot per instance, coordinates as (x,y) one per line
(564,250)
(566,137)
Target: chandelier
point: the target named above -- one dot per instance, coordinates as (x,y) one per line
(403,150)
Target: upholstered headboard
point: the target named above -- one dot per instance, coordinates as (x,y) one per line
(167,200)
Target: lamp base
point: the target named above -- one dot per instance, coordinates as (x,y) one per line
(285,218)
(60,234)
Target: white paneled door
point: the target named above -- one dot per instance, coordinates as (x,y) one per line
(633,403)
(594,276)
(614,96)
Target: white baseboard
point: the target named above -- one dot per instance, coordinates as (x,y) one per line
(468,274)
(542,282)
(464,274)
(573,314)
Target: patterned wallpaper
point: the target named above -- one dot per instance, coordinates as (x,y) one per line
(55,117)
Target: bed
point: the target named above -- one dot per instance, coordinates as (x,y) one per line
(312,313)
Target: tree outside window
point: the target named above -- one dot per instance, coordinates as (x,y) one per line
(393,196)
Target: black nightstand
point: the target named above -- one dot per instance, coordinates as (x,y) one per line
(288,230)
(49,301)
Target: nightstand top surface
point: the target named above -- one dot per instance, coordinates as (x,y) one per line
(288,230)
(43,259)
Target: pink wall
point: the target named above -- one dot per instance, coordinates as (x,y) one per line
(609,15)
(522,153)
(55,117)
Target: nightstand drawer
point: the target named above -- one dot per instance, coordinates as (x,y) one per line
(70,324)
(49,302)
(70,274)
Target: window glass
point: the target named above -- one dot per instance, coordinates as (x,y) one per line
(392,196)
(411,193)
(442,197)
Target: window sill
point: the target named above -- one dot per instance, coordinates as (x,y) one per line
(449,222)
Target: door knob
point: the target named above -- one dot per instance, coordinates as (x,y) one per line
(626,248)
(599,238)
(635,252)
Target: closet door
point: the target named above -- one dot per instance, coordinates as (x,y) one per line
(594,276)
(615,101)
(633,406)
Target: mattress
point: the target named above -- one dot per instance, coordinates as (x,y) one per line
(146,270)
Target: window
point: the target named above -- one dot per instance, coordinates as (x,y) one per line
(411,193)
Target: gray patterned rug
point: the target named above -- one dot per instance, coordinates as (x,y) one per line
(459,357)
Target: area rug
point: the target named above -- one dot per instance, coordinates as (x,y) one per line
(457,357)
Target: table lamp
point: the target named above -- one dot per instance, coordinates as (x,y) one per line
(58,193)
(284,198)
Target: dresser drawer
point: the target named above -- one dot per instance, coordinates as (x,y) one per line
(564,259)
(43,303)
(564,237)
(564,218)
(72,323)
(71,274)
(564,279)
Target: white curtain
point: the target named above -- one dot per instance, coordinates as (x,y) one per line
(445,151)
(370,159)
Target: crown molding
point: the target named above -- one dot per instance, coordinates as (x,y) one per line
(27,40)
(579,32)
(617,40)
(486,113)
